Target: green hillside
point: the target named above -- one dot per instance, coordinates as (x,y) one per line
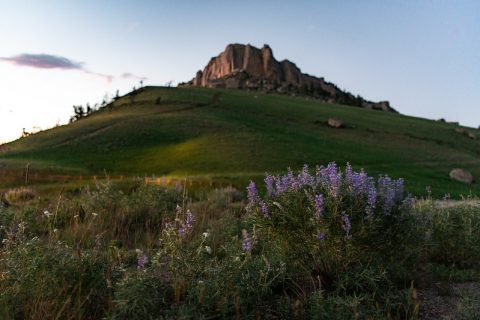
(195,131)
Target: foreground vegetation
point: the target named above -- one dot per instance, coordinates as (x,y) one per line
(321,243)
(241,135)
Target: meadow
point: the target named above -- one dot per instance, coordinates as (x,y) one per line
(323,242)
(235,136)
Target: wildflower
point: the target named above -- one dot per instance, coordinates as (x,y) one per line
(399,187)
(189,220)
(269,180)
(321,236)
(347,226)
(305,178)
(181,231)
(371,201)
(208,249)
(142,259)
(348,174)
(76,216)
(47,214)
(55,230)
(318,204)
(247,243)
(281,185)
(205,234)
(253,197)
(94,214)
(264,209)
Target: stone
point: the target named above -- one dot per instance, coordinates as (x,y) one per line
(335,123)
(460,130)
(461,175)
(472,136)
(247,67)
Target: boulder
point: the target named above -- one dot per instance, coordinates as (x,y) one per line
(461,175)
(335,123)
(472,136)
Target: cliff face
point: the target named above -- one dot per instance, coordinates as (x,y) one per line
(246,67)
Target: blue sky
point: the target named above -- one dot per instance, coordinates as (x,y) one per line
(423,56)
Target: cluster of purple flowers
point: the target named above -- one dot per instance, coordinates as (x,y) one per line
(318,205)
(183,223)
(347,226)
(332,182)
(328,185)
(247,243)
(142,259)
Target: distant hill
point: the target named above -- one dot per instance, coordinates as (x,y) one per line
(234,133)
(246,67)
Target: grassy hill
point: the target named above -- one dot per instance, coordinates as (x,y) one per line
(222,133)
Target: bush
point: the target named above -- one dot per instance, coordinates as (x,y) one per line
(452,233)
(19,195)
(331,222)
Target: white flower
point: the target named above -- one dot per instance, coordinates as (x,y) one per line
(47,214)
(208,249)
(205,234)
(55,230)
(76,216)
(94,214)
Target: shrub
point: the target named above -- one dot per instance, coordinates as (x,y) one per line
(330,222)
(452,233)
(19,195)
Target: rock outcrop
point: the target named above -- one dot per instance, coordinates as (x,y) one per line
(247,67)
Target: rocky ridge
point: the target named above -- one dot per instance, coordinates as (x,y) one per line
(247,67)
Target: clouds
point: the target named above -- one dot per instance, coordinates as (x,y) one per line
(128,75)
(43,61)
(50,61)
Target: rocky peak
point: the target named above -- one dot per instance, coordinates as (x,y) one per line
(247,67)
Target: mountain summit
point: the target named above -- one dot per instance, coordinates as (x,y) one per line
(247,67)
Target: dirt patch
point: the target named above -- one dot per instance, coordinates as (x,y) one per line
(445,300)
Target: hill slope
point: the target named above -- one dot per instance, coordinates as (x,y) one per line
(199,131)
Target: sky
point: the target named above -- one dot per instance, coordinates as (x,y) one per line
(422,56)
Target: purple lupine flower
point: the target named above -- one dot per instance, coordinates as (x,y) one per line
(360,182)
(321,235)
(319,178)
(190,220)
(305,178)
(408,202)
(347,226)
(348,174)
(399,188)
(334,179)
(247,242)
(318,204)
(182,231)
(264,209)
(252,193)
(142,259)
(269,180)
(280,184)
(371,201)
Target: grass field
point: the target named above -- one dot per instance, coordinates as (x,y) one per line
(237,135)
